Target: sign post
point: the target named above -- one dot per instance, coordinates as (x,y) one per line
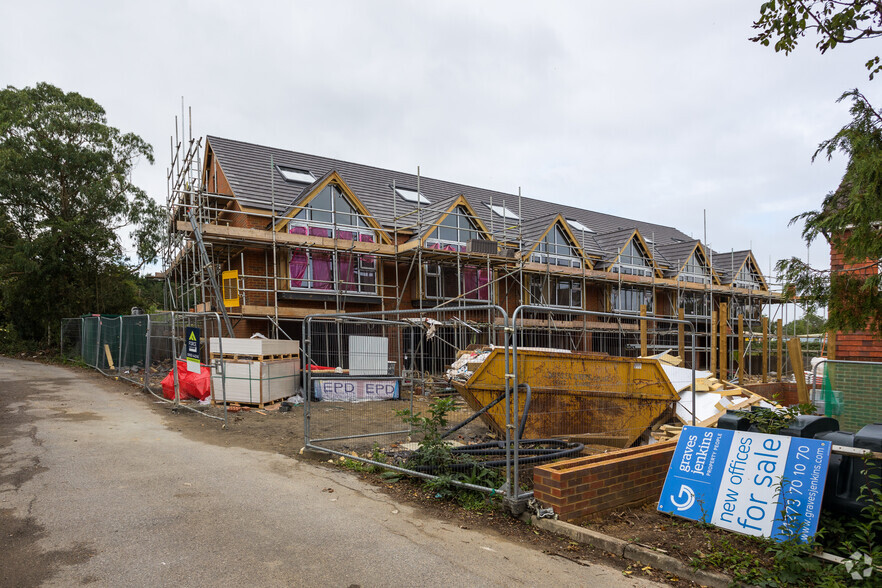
(752,483)
(192,335)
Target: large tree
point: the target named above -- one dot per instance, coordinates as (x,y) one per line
(850,217)
(67,195)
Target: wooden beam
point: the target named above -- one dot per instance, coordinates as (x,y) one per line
(741,349)
(284,311)
(831,345)
(724,360)
(681,336)
(794,349)
(765,344)
(780,350)
(211,232)
(713,344)
(591,325)
(644,347)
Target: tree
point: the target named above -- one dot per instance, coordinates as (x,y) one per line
(850,217)
(66,192)
(809,324)
(785,22)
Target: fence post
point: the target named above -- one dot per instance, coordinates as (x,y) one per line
(713,344)
(765,343)
(147,356)
(119,360)
(681,336)
(780,350)
(724,359)
(644,351)
(741,350)
(98,345)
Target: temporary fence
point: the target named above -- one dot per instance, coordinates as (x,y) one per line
(848,391)
(538,401)
(353,359)
(145,348)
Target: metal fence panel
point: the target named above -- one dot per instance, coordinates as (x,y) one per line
(848,391)
(373,382)
(71,339)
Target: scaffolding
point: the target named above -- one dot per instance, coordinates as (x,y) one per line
(208,232)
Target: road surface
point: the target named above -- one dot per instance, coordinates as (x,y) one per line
(95,489)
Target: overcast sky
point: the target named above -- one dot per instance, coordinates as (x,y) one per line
(651,110)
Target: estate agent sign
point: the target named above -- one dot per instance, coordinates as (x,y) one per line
(752,483)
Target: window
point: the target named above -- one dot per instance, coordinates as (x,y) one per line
(412,195)
(503,212)
(629,299)
(329,214)
(556,291)
(633,261)
(577,226)
(444,282)
(748,278)
(556,249)
(298,176)
(331,209)
(695,304)
(454,231)
(695,270)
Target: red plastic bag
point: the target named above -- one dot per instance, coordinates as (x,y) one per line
(193,385)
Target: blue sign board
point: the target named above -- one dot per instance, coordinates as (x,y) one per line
(752,483)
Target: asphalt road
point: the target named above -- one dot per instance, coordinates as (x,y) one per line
(95,489)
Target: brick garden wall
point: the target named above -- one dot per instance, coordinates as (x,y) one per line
(582,488)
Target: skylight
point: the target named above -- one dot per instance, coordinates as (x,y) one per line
(412,196)
(503,212)
(298,176)
(578,226)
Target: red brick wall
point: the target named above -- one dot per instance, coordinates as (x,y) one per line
(582,488)
(785,391)
(860,346)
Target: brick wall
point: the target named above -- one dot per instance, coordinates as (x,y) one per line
(785,391)
(582,488)
(859,346)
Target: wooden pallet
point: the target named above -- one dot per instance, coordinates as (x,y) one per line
(242,357)
(248,405)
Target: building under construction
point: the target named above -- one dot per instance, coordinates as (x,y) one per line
(268,236)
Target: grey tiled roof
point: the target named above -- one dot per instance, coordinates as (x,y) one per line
(677,254)
(726,264)
(257,184)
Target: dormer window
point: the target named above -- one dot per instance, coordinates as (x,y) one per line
(455,230)
(633,261)
(748,278)
(412,196)
(556,249)
(695,271)
(296,176)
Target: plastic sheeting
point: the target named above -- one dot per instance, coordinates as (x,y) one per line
(192,385)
